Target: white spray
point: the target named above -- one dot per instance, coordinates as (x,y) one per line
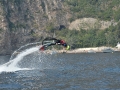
(11,66)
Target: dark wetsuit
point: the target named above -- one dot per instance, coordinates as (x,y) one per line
(52,41)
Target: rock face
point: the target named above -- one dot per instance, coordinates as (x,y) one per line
(90,23)
(25,21)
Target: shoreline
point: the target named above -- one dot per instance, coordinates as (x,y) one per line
(88,50)
(81,50)
(91,50)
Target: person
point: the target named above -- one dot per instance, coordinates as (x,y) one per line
(63,43)
(54,42)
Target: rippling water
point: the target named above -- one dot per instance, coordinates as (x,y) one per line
(89,71)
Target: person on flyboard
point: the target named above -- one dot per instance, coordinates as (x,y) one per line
(53,41)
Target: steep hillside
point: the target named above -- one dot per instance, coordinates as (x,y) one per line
(25,21)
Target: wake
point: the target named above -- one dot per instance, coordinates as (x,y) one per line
(12,65)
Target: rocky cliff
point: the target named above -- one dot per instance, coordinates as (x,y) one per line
(25,21)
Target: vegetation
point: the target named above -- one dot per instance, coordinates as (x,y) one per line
(102,9)
(50,27)
(91,38)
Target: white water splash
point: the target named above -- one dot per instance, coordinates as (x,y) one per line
(11,66)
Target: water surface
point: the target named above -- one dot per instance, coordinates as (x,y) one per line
(89,71)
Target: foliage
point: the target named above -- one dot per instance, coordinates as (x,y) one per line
(102,9)
(91,38)
(50,27)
